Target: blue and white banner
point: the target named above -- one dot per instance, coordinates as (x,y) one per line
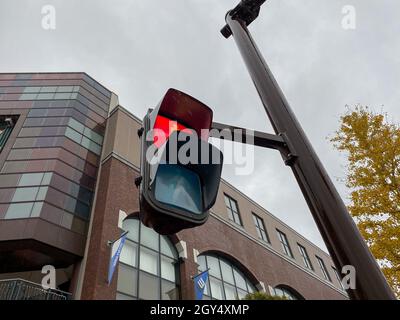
(116,248)
(200,282)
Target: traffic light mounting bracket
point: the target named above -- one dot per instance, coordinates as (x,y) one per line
(260,139)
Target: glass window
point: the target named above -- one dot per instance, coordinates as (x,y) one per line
(31,89)
(62,96)
(25,194)
(239,279)
(167,268)
(228,285)
(76,125)
(132,225)
(30,179)
(338,277)
(167,248)
(305,257)
(157,270)
(127,279)
(47,178)
(230,292)
(149,261)
(45,96)
(260,227)
(28,96)
(287,293)
(73,135)
(37,208)
(19,210)
(213,264)
(41,195)
(323,269)
(129,254)
(233,211)
(93,136)
(48,89)
(285,243)
(201,261)
(149,238)
(217,290)
(169,291)
(65,89)
(149,286)
(121,296)
(227,274)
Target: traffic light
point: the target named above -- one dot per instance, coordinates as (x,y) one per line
(180,170)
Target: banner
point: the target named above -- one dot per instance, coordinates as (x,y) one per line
(116,248)
(200,282)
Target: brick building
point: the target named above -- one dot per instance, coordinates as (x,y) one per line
(69,154)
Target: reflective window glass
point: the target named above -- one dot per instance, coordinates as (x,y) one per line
(30,179)
(19,210)
(25,194)
(148,261)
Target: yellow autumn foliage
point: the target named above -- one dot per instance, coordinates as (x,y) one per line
(372,146)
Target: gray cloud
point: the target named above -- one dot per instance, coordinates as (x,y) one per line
(138,49)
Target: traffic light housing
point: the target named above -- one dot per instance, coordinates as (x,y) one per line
(180,170)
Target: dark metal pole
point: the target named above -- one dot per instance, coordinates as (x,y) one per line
(341,236)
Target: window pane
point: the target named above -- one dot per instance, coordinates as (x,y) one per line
(47,178)
(167,268)
(37,208)
(214,267)
(240,281)
(227,201)
(76,125)
(19,210)
(241,293)
(230,292)
(45,96)
(201,261)
(169,291)
(129,254)
(28,96)
(227,274)
(62,96)
(127,282)
(121,296)
(42,193)
(167,248)
(25,194)
(149,287)
(48,89)
(148,261)
(65,89)
(73,135)
(32,89)
(149,237)
(132,225)
(30,179)
(217,290)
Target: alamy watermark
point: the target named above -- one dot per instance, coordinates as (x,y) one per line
(49,280)
(48,17)
(349,20)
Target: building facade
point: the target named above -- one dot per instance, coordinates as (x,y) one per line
(69,155)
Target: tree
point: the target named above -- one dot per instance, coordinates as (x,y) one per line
(261,296)
(372,145)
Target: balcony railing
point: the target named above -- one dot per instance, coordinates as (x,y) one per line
(18,289)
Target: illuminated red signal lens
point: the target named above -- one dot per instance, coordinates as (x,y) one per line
(164,127)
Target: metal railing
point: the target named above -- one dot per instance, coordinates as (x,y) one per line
(19,289)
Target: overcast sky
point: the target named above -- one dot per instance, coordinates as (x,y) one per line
(139,49)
